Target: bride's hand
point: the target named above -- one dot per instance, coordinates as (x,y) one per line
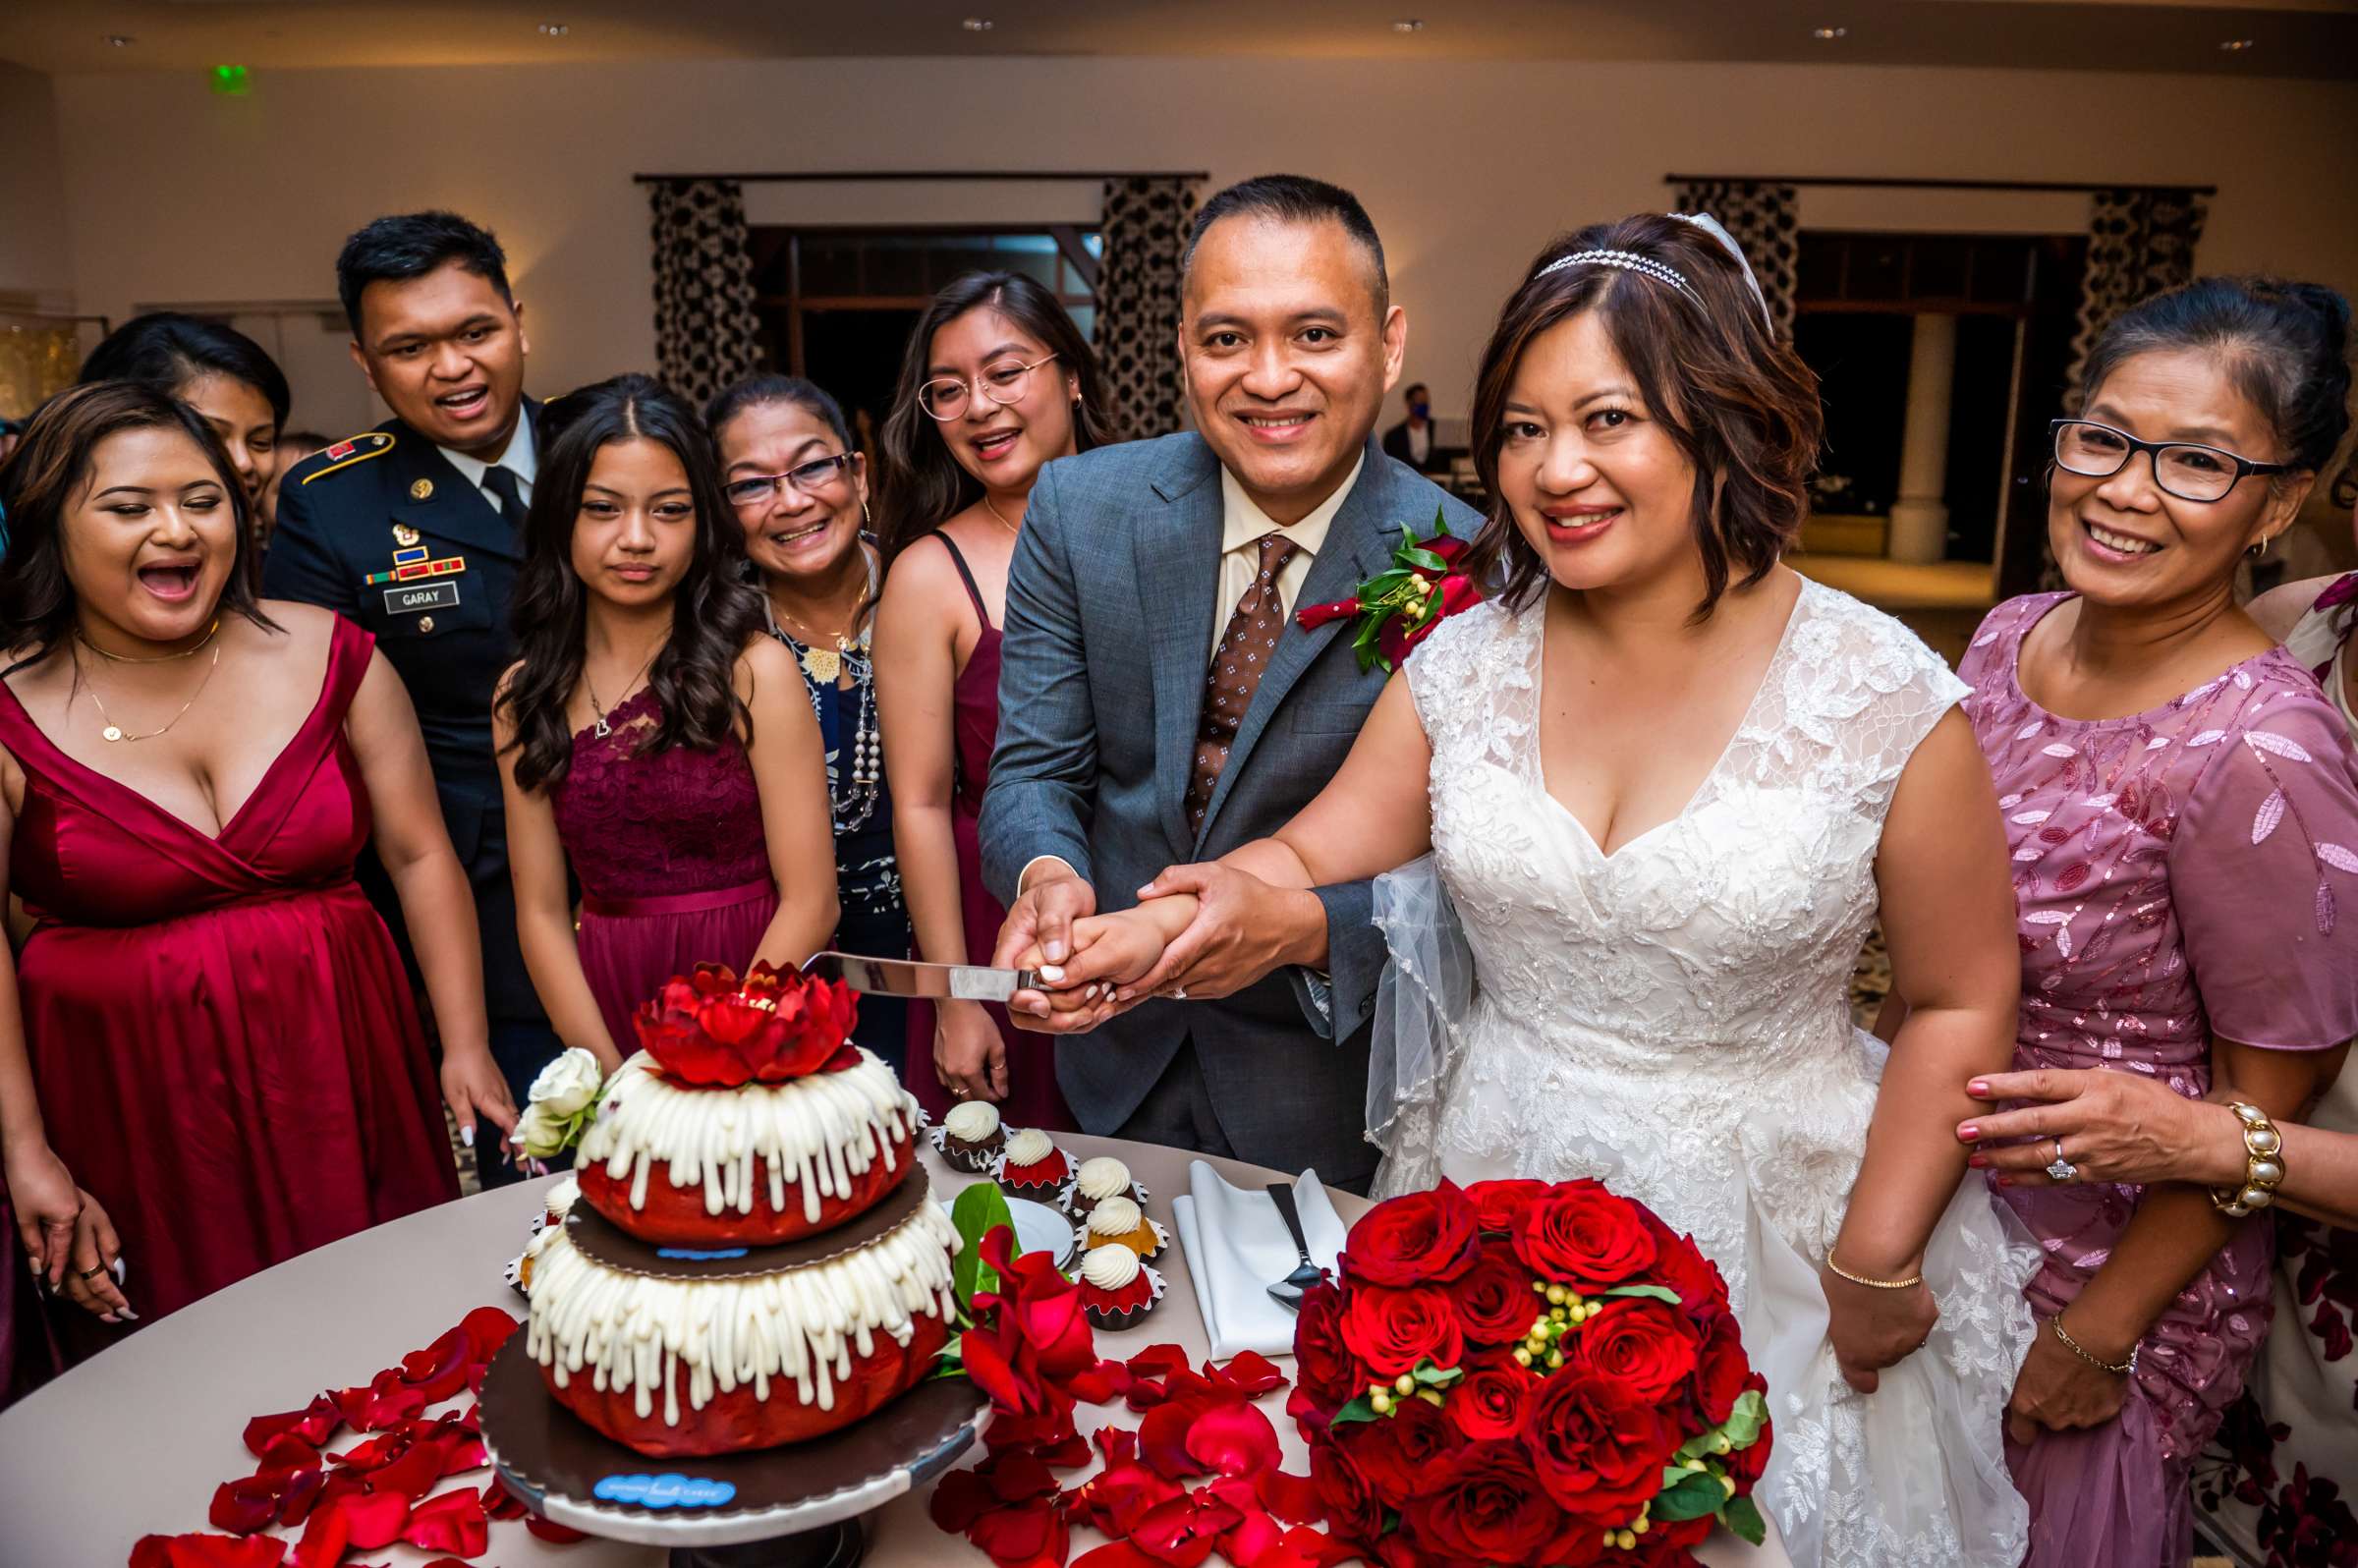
(1872,1329)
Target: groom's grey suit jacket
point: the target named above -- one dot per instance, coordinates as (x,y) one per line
(1111,615)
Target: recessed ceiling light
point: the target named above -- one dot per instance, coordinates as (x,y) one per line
(1829,35)
(554,29)
(1408,25)
(121,40)
(977,23)
(2238,45)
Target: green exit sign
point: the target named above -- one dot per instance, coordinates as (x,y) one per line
(231,81)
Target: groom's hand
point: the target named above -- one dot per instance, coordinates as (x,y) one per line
(1243,928)
(1041,918)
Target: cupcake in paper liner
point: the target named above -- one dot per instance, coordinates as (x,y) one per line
(970,1137)
(1031,1165)
(1118,1221)
(1117,1289)
(1095,1181)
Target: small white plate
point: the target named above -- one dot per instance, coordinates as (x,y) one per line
(1040,1229)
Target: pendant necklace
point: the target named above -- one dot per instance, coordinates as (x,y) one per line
(599,726)
(826,664)
(109,730)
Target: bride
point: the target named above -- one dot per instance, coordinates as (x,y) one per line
(1667,784)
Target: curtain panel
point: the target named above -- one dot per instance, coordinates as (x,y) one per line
(1145,225)
(2139,244)
(1766,219)
(708,331)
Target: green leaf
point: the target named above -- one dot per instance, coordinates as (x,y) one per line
(1742,1517)
(1356,1411)
(977,1210)
(951,1362)
(1441,524)
(1697,1495)
(1425,560)
(1647,1292)
(1742,1428)
(1432,1377)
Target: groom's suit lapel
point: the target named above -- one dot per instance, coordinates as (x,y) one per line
(1357,541)
(1178,559)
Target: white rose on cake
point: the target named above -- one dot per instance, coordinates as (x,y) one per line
(568,1085)
(540,1133)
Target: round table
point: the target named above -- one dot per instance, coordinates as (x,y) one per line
(135,1441)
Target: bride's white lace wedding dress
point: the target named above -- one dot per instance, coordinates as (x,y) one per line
(1674,1019)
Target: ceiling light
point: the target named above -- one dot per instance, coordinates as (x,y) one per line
(2238,45)
(1408,25)
(554,29)
(121,40)
(977,23)
(1829,35)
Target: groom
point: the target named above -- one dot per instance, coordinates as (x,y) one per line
(1158,706)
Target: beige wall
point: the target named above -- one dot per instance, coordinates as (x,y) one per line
(1468,167)
(33,253)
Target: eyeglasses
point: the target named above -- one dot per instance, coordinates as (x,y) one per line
(2182,469)
(944,398)
(813,477)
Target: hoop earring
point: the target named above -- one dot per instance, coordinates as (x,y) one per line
(2259,550)
(868,522)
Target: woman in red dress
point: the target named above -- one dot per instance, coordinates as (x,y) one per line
(210,1060)
(998,383)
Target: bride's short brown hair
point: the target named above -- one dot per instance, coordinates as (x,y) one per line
(1736,399)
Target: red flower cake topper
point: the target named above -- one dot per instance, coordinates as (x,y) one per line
(710,1031)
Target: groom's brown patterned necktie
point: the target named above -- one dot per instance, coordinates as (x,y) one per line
(1235,673)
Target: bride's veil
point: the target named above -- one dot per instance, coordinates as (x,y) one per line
(1421,1005)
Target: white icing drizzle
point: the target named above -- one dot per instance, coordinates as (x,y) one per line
(1028,1147)
(561,1196)
(970,1121)
(1115,1216)
(821,1130)
(638,1334)
(1100,1178)
(1110,1268)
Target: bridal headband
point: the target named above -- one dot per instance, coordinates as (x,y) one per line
(1663,272)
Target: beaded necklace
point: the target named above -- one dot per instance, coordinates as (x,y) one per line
(849,810)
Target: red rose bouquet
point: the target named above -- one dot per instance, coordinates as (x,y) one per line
(1527,1372)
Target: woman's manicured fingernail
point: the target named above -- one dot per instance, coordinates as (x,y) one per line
(120,1272)
(108,1318)
(1052,972)
(1976,1161)
(1092,992)
(2004,1181)
(1146,891)
(1123,994)
(1977,1089)
(467,1134)
(1053,952)
(128,1316)
(1969,1134)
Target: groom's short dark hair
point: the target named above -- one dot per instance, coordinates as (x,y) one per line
(1292,199)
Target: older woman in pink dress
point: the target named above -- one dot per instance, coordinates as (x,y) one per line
(2182,805)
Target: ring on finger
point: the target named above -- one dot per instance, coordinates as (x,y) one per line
(2061,1169)
(89,1273)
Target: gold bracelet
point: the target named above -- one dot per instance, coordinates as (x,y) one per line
(2125,1370)
(2262,1165)
(1908,1283)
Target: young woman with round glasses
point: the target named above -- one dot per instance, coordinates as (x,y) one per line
(799,487)
(996,382)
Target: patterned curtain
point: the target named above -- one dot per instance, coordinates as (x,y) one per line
(1765,220)
(707,333)
(1145,225)
(2139,244)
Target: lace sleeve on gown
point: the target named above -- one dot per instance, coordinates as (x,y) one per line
(2264,875)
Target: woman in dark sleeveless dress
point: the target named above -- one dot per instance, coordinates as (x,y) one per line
(209,1059)
(996,382)
(649,737)
(800,489)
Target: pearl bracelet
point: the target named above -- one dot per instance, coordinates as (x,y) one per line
(2264,1164)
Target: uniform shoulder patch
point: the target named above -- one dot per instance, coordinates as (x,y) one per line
(346,453)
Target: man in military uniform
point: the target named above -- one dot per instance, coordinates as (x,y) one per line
(414,530)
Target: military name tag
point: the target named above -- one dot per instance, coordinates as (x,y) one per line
(426,596)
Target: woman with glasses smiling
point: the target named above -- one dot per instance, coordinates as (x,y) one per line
(799,490)
(997,381)
(2182,806)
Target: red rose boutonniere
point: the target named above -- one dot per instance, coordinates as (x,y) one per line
(1399,608)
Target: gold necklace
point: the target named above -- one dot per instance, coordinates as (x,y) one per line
(826,665)
(994,512)
(189,651)
(111,731)
(599,725)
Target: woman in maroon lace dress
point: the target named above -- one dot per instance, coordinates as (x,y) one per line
(209,1059)
(651,737)
(997,381)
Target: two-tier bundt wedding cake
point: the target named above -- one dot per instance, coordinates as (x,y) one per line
(755,1258)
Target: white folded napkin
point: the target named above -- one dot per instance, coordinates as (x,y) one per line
(1237,1247)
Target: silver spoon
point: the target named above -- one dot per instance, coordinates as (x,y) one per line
(1287,1292)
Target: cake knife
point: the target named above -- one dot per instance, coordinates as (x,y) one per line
(895,976)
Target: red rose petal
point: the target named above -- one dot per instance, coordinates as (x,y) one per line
(440,1369)
(486,1329)
(1252,1373)
(452,1522)
(314,1423)
(1234,1440)
(207,1551)
(499,1503)
(243,1507)
(1116,1554)
(1292,1498)
(550,1530)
